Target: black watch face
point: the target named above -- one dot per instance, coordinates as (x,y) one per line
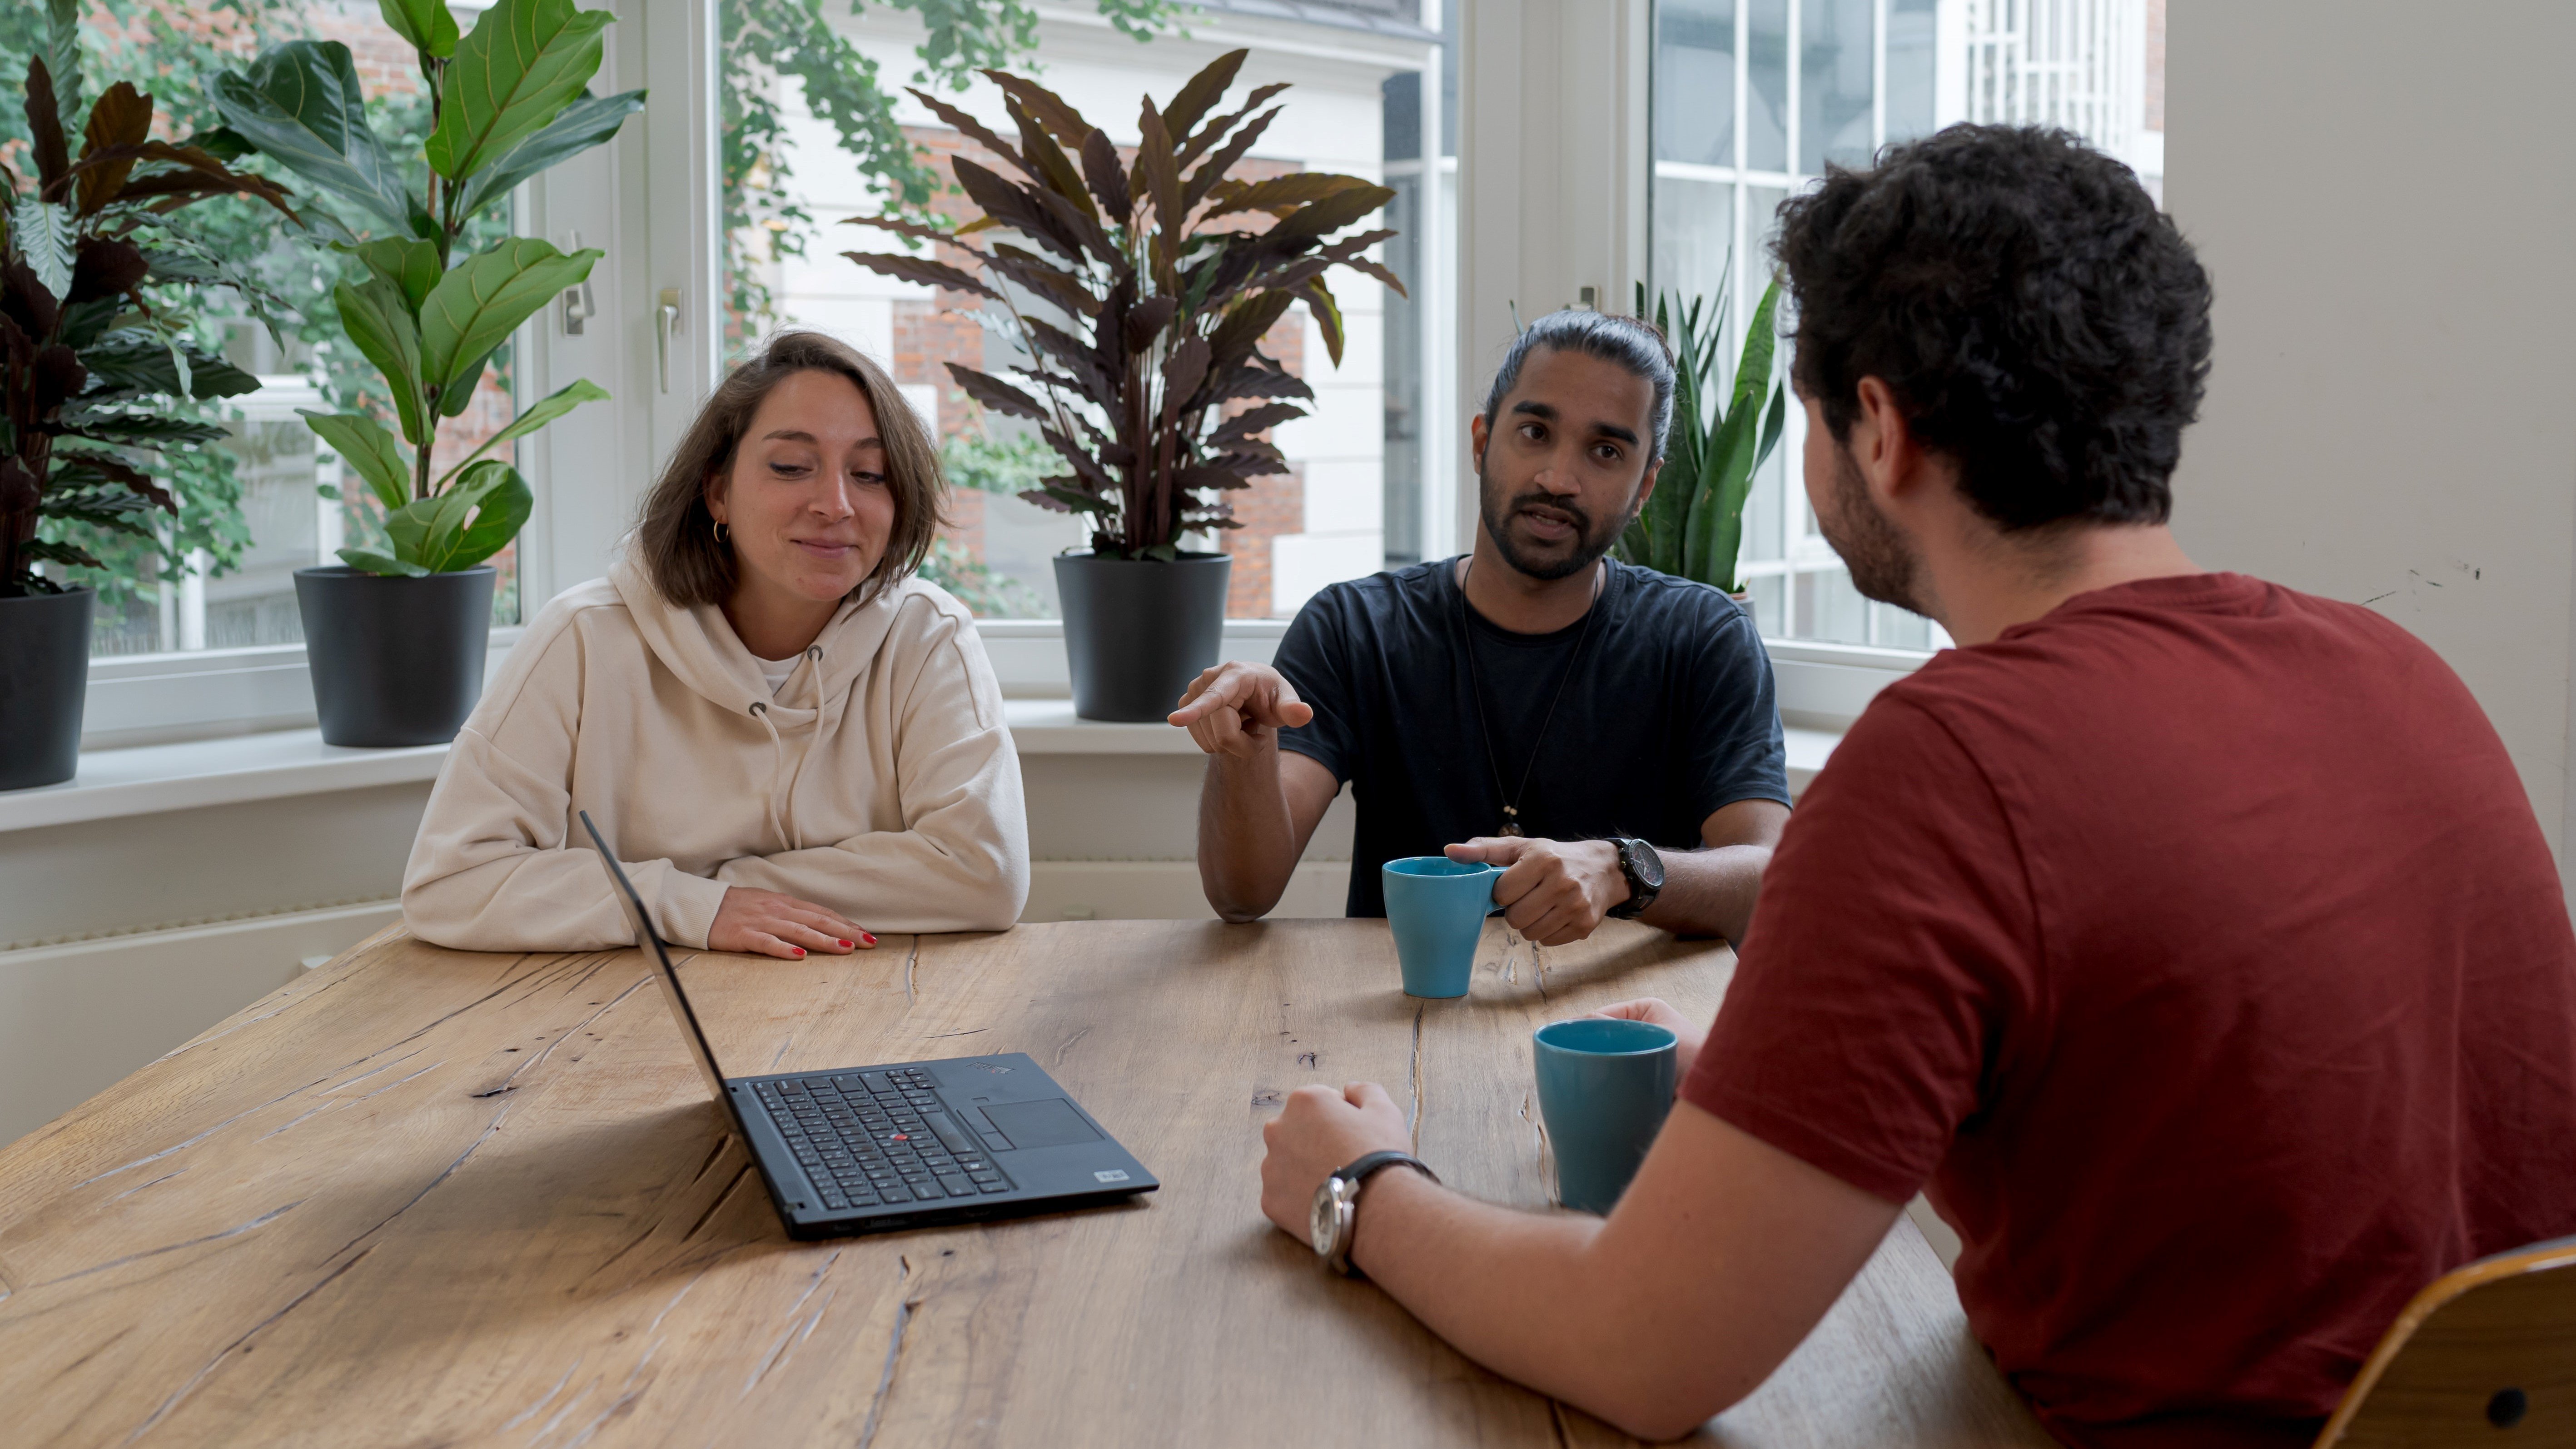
(1650,866)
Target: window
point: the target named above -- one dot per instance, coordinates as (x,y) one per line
(252,510)
(1754,98)
(793,173)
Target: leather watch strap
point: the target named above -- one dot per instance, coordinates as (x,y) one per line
(1355,1174)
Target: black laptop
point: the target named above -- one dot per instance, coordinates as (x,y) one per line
(906,1144)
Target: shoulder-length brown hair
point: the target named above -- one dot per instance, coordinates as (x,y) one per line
(676,539)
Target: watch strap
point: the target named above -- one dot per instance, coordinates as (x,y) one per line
(1355,1173)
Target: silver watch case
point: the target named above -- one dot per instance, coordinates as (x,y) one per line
(1328,1224)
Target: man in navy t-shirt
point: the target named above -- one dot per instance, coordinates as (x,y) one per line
(1606,733)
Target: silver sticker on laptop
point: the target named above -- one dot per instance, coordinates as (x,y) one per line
(1113,1175)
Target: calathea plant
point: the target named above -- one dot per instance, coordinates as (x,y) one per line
(1693,526)
(507,101)
(87,365)
(1163,288)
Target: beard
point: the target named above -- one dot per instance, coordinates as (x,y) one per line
(1883,565)
(1543,561)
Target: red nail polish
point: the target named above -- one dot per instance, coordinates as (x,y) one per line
(800,950)
(871,940)
(845,945)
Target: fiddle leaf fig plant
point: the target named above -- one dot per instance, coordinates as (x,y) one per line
(508,100)
(1693,526)
(90,370)
(1163,284)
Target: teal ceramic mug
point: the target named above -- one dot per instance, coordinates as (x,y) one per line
(1604,1089)
(1437,908)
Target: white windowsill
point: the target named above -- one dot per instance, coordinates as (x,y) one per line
(151,779)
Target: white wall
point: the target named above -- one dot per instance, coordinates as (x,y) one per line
(2386,201)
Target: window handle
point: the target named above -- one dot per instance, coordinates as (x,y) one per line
(666,320)
(579,305)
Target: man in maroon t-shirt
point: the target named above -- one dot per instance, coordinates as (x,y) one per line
(2188,939)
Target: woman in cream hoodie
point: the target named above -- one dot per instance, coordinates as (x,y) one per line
(791,740)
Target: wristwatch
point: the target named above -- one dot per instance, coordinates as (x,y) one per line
(1645,872)
(1336,1211)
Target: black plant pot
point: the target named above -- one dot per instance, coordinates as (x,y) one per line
(44,680)
(396,661)
(1137,631)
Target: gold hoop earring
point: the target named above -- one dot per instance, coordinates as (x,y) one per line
(718,529)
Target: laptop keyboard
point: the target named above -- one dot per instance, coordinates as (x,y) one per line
(872,1138)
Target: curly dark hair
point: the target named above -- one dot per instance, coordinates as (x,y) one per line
(2039,321)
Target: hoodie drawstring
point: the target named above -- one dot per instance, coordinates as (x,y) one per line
(777,765)
(780,808)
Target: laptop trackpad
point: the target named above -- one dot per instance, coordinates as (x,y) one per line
(1051,1123)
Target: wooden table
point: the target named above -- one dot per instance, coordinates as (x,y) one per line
(435,1197)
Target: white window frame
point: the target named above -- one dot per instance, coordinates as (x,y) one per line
(1533,229)
(589,470)
(1800,548)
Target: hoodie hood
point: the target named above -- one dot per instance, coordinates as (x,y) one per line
(702,651)
(699,647)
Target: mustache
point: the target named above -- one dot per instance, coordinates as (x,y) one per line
(1536,501)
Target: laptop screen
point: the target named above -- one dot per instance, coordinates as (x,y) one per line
(659,959)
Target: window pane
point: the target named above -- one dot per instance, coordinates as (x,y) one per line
(1405,414)
(1695,81)
(221,572)
(1403,93)
(794,171)
(1910,65)
(1766,117)
(1694,237)
(1770,604)
(1899,629)
(1830,609)
(1834,84)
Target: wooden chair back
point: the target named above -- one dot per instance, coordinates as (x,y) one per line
(2486,1356)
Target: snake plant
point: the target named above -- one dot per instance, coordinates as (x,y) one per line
(1723,430)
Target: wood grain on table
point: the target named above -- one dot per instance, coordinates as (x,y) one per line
(438,1197)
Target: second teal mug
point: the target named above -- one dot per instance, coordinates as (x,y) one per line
(1604,1089)
(1437,908)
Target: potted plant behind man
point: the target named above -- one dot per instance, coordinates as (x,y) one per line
(396,638)
(1693,527)
(1147,392)
(87,369)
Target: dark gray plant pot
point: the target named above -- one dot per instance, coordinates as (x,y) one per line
(395,661)
(1137,631)
(44,681)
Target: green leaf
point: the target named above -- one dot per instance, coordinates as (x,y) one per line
(300,105)
(545,410)
(524,63)
(130,360)
(458,394)
(43,232)
(370,561)
(379,322)
(585,123)
(142,430)
(476,306)
(409,264)
(60,50)
(424,23)
(483,511)
(505,508)
(367,448)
